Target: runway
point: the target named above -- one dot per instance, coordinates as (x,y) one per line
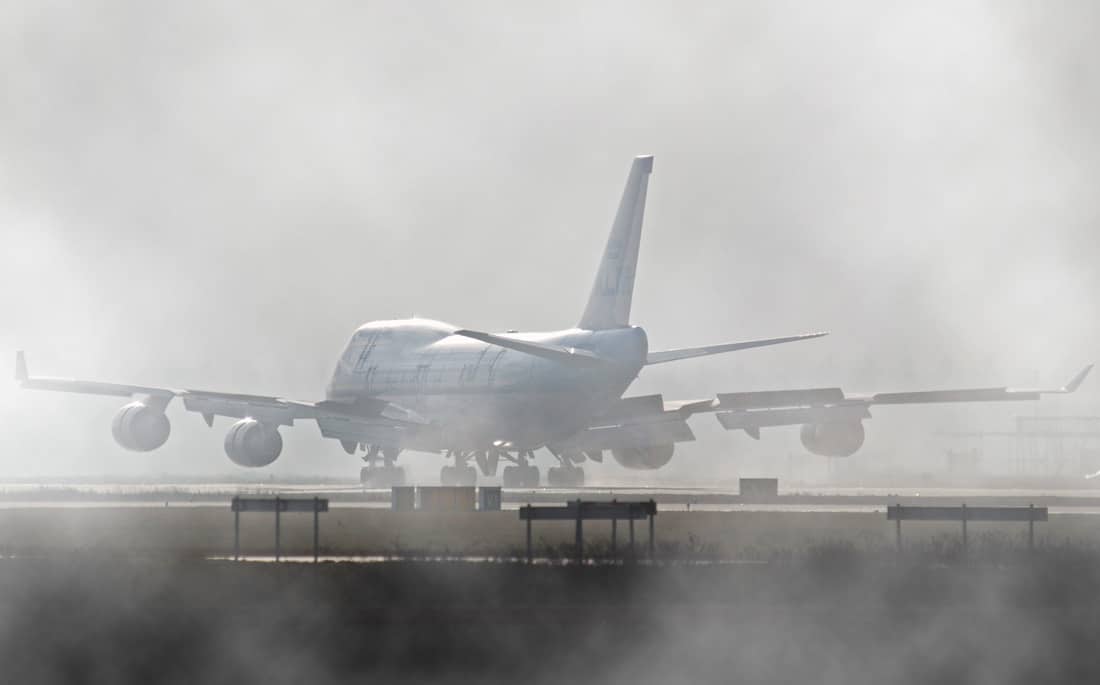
(345,495)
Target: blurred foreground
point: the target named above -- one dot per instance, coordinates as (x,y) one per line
(826,614)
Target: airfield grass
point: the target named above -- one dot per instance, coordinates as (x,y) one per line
(838,615)
(126,594)
(746,536)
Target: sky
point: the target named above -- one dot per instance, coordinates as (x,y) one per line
(197,195)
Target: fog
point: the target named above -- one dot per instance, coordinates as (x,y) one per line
(195,195)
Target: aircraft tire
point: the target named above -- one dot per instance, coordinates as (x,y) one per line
(554,477)
(396,476)
(447,476)
(467,475)
(512,477)
(576,476)
(381,477)
(565,477)
(530,476)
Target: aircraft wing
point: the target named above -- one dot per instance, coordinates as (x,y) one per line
(751,411)
(269,409)
(634,422)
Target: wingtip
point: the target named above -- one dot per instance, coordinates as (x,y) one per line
(20,366)
(1078,379)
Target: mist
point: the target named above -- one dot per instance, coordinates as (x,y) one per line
(205,197)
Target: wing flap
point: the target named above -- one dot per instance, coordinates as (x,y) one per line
(764,418)
(779,398)
(629,435)
(632,409)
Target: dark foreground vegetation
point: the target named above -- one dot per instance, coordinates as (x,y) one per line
(832,615)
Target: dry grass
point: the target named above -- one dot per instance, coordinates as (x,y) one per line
(357,531)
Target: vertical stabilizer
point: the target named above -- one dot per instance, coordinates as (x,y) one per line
(609,303)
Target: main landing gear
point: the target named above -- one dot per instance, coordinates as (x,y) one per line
(565,477)
(522,474)
(384,475)
(568,474)
(461,473)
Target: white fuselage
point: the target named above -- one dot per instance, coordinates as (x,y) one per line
(476,394)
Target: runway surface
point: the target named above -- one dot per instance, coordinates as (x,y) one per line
(341,495)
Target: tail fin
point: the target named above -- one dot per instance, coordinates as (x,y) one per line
(609,303)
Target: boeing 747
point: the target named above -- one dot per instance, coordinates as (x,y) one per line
(485,398)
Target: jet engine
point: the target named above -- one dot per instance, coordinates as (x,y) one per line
(833,439)
(644,458)
(252,443)
(140,428)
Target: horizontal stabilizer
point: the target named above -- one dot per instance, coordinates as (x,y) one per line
(566,355)
(691,352)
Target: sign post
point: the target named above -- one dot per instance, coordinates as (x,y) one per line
(964,513)
(277,504)
(578,511)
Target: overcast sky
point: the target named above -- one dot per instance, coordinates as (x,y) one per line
(193,195)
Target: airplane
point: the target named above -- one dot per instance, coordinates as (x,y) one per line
(426,386)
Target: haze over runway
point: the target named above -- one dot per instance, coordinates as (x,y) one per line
(197,197)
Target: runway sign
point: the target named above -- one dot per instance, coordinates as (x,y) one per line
(759,487)
(965,514)
(488,498)
(898,512)
(242,504)
(590,511)
(447,498)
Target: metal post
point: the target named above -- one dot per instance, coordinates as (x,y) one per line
(632,553)
(614,538)
(236,528)
(316,531)
(276,528)
(1031,527)
(529,558)
(651,541)
(580,535)
(898,510)
(964,528)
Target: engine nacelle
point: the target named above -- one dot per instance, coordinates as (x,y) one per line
(140,428)
(833,439)
(252,443)
(644,458)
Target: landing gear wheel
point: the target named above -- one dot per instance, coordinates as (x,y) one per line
(531,476)
(512,478)
(381,476)
(447,475)
(565,477)
(467,475)
(458,475)
(520,476)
